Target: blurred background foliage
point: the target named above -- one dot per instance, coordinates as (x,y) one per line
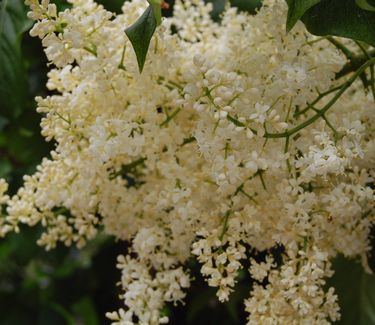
(70,286)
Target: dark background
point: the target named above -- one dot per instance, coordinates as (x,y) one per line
(69,286)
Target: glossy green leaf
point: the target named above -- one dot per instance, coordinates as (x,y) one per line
(296,9)
(156,7)
(13,79)
(13,20)
(356,292)
(341,18)
(364,4)
(140,34)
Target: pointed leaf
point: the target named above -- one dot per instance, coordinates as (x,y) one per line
(156,7)
(341,18)
(296,9)
(140,34)
(364,4)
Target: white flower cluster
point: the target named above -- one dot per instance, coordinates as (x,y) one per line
(294,294)
(220,258)
(3,188)
(233,140)
(3,200)
(145,294)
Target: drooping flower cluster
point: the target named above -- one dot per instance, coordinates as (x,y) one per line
(232,139)
(3,200)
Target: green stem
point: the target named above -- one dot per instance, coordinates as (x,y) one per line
(248,196)
(62,117)
(260,173)
(209,96)
(225,225)
(286,149)
(121,65)
(356,62)
(91,50)
(316,100)
(372,75)
(236,122)
(171,83)
(322,111)
(349,54)
(170,117)
(176,85)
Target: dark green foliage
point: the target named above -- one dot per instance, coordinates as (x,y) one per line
(242,5)
(247,5)
(341,18)
(345,18)
(22,77)
(297,8)
(69,286)
(13,79)
(356,291)
(366,4)
(64,286)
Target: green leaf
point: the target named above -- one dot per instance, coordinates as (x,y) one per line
(356,292)
(247,5)
(218,7)
(341,18)
(156,8)
(85,309)
(140,34)
(13,19)
(365,5)
(368,299)
(296,9)
(3,122)
(13,79)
